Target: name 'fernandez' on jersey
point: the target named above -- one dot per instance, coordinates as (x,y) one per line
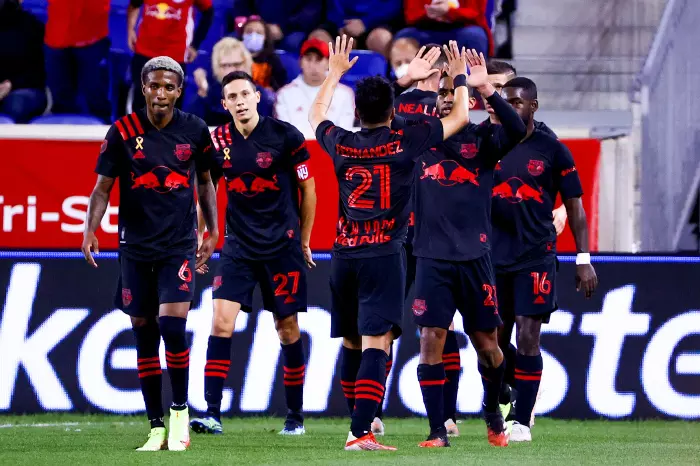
(526,184)
(261,174)
(375,170)
(156,170)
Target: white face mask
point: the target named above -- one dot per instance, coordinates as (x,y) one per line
(401,71)
(254,41)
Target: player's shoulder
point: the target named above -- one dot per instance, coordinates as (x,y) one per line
(541,126)
(190,120)
(279,126)
(547,143)
(128,127)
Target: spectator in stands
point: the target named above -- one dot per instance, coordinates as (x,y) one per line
(370,22)
(268,70)
(77,57)
(294,100)
(289,22)
(401,53)
(22,76)
(163,31)
(228,55)
(443,20)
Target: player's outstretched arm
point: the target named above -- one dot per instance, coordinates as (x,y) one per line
(457,70)
(97,206)
(339,63)
(207,202)
(308,213)
(586,278)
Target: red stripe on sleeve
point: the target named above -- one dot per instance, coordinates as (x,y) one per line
(129,128)
(137,123)
(121,129)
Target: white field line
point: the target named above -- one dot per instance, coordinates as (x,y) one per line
(68,424)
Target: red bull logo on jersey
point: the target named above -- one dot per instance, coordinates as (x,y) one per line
(163,11)
(457,173)
(126,297)
(515,190)
(468,151)
(250,185)
(264,159)
(183,152)
(535,167)
(161,179)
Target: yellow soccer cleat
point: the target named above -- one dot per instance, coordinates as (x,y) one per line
(179,435)
(156,440)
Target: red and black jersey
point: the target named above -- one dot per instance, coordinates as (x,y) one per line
(164,26)
(262,173)
(526,184)
(156,171)
(375,170)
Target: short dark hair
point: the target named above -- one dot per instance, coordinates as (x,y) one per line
(162,63)
(500,67)
(374,99)
(526,84)
(442,59)
(235,76)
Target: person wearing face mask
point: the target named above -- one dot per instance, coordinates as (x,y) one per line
(268,70)
(294,100)
(401,53)
(228,55)
(22,76)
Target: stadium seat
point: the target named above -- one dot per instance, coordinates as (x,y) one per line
(66,119)
(6,120)
(290,61)
(369,64)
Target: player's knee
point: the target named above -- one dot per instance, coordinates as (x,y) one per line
(288,330)
(528,343)
(378,40)
(490,355)
(222,325)
(137,322)
(431,342)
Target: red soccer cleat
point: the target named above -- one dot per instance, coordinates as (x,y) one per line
(365,443)
(436,442)
(497,439)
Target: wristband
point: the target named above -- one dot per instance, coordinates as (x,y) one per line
(583,258)
(460,80)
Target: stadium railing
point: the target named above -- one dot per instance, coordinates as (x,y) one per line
(667,128)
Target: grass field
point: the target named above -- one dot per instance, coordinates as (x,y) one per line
(109,440)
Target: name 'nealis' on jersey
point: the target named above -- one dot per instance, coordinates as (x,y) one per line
(375,191)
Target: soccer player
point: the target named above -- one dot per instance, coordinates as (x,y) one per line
(451,243)
(156,153)
(526,185)
(375,172)
(264,163)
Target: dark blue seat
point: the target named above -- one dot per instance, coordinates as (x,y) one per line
(290,61)
(66,119)
(369,64)
(6,120)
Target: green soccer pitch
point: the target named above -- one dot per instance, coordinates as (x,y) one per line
(110,440)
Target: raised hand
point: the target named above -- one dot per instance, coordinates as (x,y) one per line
(456,61)
(478,76)
(339,61)
(421,67)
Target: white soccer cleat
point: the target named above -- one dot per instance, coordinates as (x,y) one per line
(452,429)
(377,427)
(179,435)
(293,430)
(156,440)
(520,433)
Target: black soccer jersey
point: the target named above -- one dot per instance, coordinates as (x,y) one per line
(415,105)
(262,174)
(156,171)
(375,170)
(526,185)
